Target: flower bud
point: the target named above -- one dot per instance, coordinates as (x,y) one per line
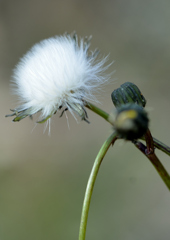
(128,93)
(131,121)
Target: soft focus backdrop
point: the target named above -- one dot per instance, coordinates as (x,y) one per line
(43,178)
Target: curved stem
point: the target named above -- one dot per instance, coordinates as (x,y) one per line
(91,182)
(97,110)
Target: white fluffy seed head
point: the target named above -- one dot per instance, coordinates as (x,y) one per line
(56,73)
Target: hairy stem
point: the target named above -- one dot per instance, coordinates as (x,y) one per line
(91,182)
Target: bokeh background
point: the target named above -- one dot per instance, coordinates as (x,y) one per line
(43,178)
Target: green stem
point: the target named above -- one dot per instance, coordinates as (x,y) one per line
(161,146)
(158,144)
(156,163)
(91,182)
(97,110)
(160,169)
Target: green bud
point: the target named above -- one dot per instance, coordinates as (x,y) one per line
(128,93)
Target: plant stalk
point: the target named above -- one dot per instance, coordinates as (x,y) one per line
(91,182)
(156,163)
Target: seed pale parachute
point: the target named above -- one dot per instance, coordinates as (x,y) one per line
(58,73)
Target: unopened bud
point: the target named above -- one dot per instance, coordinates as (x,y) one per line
(128,93)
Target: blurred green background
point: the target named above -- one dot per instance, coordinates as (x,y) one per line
(43,178)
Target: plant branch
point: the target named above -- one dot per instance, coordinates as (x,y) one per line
(149,142)
(156,163)
(91,182)
(97,110)
(158,144)
(161,146)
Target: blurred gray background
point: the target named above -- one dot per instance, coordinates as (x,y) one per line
(43,178)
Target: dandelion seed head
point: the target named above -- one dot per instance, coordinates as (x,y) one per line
(57,73)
